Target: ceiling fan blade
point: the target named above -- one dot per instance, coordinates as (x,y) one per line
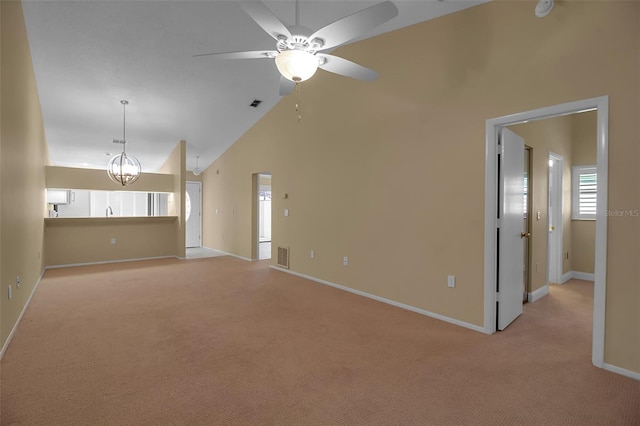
(286,86)
(338,65)
(253,54)
(265,18)
(356,24)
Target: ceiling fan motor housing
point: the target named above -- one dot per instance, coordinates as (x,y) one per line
(299,41)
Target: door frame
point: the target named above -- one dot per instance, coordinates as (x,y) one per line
(492,129)
(555,276)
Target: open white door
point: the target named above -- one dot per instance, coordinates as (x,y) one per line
(510,232)
(193,213)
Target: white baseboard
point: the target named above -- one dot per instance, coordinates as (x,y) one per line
(230,254)
(621,371)
(387,301)
(566,277)
(538,294)
(104,262)
(578,276)
(24,309)
(583,276)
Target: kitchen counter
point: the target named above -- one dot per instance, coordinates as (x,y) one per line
(111,220)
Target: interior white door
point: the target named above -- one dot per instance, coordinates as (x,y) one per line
(193,213)
(510,231)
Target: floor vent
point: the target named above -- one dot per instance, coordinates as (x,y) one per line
(283,257)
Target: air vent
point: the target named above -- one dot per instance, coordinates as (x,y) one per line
(283,257)
(255,103)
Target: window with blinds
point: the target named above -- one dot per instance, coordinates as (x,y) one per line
(584,191)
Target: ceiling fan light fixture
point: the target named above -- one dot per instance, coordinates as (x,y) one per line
(296,65)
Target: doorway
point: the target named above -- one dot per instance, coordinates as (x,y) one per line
(493,205)
(193,214)
(262,216)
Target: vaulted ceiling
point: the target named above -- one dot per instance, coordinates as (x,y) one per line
(89,55)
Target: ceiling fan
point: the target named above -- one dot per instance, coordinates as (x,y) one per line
(298,51)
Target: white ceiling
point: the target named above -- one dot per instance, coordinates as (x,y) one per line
(88,55)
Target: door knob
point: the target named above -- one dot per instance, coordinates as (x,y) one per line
(525,234)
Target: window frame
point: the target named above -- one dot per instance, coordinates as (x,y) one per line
(576,172)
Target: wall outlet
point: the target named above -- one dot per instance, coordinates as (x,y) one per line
(18,282)
(113,241)
(345,261)
(312,255)
(9,293)
(451,281)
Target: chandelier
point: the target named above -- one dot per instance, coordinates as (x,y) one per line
(124,169)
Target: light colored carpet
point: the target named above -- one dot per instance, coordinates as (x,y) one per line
(224,341)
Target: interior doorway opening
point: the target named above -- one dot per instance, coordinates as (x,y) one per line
(193,214)
(492,208)
(262,216)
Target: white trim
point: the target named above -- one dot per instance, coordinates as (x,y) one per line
(24,309)
(621,371)
(578,276)
(583,276)
(556,240)
(566,277)
(538,294)
(493,126)
(103,262)
(231,254)
(384,300)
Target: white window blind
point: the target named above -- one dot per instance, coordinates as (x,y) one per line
(584,191)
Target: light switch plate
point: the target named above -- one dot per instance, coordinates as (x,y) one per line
(451,281)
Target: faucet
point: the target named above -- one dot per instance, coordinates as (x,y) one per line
(109,211)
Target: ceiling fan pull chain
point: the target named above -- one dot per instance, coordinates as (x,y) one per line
(298,109)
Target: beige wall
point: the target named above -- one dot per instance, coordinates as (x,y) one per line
(23,155)
(176,165)
(71,241)
(391,173)
(583,240)
(191,177)
(78,178)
